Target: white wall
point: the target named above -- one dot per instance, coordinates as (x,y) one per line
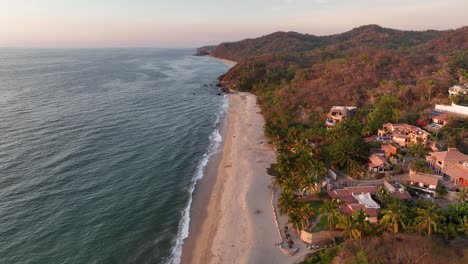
(456,109)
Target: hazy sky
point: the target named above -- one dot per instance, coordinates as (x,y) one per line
(184,23)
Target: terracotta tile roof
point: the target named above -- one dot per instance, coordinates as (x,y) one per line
(457,171)
(450,155)
(423,178)
(388,148)
(352,205)
(377,161)
(362,189)
(353,208)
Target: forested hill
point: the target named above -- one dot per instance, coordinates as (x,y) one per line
(298,76)
(287,42)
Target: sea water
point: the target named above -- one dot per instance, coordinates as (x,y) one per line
(100,150)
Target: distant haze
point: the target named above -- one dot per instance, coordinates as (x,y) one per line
(178,23)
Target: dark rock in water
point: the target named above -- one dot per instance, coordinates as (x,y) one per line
(225,89)
(211,84)
(218,85)
(219,94)
(194,93)
(205,85)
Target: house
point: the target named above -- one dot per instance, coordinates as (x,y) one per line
(396,190)
(425,183)
(357,198)
(379,164)
(458,90)
(459,173)
(452,164)
(389,150)
(404,134)
(338,114)
(438,117)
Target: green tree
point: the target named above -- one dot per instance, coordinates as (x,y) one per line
(463,225)
(361,222)
(385,110)
(348,150)
(287,202)
(463,194)
(384,196)
(307,212)
(429,219)
(419,166)
(417,150)
(394,216)
(441,191)
(296,220)
(330,209)
(349,227)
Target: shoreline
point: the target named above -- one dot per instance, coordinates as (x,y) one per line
(232,216)
(204,187)
(229,63)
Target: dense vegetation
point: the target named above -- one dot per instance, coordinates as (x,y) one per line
(390,75)
(298,76)
(394,249)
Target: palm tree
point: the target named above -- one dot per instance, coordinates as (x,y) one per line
(307,212)
(394,217)
(463,194)
(428,219)
(361,222)
(286,202)
(319,169)
(295,220)
(307,183)
(331,210)
(384,196)
(349,227)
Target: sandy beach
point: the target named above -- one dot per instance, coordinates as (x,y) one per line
(235,223)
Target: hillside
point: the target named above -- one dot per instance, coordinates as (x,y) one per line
(302,75)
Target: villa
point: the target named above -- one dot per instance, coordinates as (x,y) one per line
(425,183)
(458,90)
(451,163)
(338,114)
(357,198)
(379,164)
(404,134)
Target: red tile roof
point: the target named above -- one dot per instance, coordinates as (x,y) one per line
(450,155)
(352,205)
(423,178)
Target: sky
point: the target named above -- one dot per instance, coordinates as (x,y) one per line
(184,23)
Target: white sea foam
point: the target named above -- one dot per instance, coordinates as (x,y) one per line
(215,142)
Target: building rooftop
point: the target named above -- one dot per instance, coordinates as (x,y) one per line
(377,161)
(424,178)
(457,171)
(366,200)
(451,154)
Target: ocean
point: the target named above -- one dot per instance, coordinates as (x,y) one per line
(100,150)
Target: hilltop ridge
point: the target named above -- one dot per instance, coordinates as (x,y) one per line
(306,74)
